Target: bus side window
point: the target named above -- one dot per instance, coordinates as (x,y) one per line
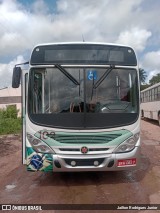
(159,93)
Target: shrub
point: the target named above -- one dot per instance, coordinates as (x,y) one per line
(9,123)
(10,126)
(10,112)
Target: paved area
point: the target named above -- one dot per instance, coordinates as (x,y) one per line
(142,186)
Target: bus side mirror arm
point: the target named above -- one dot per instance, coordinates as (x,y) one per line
(16,78)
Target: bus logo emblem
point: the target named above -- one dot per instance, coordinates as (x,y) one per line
(84,150)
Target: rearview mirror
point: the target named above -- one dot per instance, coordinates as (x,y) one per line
(16,78)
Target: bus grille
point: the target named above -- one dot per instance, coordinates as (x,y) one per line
(87,139)
(78,150)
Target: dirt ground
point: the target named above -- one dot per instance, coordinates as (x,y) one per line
(17,186)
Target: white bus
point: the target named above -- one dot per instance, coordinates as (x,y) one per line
(80,107)
(150,102)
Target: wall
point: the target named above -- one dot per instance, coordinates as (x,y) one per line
(10,96)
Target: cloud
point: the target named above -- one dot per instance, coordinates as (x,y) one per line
(22,28)
(151,63)
(151,74)
(152,60)
(135,37)
(39,7)
(128,22)
(6,71)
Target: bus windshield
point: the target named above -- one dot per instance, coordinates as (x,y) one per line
(80,92)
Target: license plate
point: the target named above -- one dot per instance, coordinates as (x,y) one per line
(128,162)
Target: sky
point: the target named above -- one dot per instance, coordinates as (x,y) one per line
(26,23)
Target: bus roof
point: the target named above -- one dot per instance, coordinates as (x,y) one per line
(84,42)
(151,87)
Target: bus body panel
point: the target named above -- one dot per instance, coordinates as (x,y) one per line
(49,162)
(150,102)
(150,110)
(74,163)
(24,83)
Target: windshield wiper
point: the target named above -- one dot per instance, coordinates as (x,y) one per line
(103,77)
(67,74)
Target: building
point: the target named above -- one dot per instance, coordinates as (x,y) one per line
(10,96)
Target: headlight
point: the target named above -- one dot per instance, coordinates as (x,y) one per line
(128,145)
(38,145)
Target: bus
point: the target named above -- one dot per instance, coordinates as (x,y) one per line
(80,107)
(150,102)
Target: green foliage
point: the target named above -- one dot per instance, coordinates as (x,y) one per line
(142,75)
(9,123)
(144,86)
(10,112)
(155,79)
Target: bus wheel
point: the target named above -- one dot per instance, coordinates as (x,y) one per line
(142,114)
(159,118)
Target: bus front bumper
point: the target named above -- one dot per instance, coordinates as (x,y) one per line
(101,162)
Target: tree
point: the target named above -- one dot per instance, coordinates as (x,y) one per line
(142,76)
(155,79)
(144,86)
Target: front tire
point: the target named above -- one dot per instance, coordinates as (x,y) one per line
(159,118)
(142,114)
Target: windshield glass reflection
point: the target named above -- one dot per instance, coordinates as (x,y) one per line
(97,90)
